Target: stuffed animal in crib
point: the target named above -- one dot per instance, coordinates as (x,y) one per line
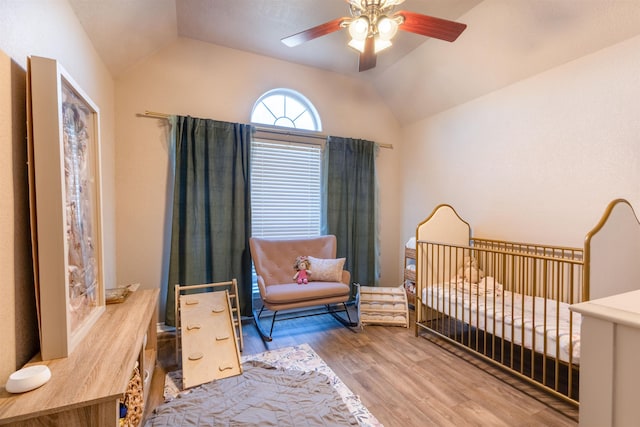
(469,271)
(303,272)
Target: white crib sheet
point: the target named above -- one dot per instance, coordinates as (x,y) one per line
(501,314)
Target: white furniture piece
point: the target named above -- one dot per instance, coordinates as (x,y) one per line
(609,368)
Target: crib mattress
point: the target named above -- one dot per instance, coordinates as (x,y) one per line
(515,317)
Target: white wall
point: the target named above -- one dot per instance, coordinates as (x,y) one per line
(203,80)
(538,160)
(50,29)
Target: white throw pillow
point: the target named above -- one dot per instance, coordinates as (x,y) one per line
(326,270)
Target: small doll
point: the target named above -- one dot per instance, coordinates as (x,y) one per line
(303,274)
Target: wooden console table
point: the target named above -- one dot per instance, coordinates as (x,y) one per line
(85,387)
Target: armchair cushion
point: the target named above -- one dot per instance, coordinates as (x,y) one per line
(289,293)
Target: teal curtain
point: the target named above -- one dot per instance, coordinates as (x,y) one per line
(211,222)
(350,204)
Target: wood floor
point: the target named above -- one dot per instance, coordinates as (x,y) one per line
(402,379)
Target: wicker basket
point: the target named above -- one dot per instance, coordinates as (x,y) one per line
(133,400)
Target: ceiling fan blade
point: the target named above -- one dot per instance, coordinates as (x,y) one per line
(312,33)
(430,26)
(368,57)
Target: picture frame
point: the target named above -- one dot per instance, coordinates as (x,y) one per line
(66,207)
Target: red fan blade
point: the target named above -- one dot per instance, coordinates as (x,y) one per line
(430,26)
(368,57)
(312,33)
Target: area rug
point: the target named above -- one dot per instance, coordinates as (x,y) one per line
(293,361)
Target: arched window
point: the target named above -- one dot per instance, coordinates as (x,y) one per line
(285,167)
(286,108)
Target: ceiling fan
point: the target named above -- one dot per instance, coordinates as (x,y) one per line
(372,25)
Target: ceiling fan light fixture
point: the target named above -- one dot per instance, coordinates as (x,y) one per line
(357,45)
(387,28)
(359,28)
(381,44)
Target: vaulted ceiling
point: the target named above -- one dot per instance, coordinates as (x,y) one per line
(506,40)
(125,31)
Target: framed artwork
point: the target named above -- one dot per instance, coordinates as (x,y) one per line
(65,194)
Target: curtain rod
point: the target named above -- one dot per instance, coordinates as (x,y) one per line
(157,115)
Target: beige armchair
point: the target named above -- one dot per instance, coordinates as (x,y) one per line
(274,260)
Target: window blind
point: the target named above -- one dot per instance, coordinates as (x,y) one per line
(285,189)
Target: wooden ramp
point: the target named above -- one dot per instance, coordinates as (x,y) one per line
(208,339)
